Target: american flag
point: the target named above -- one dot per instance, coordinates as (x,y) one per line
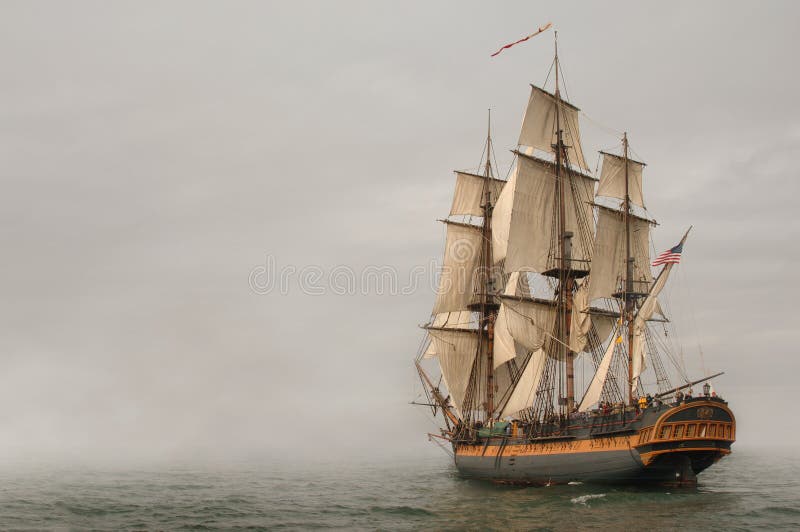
(672,255)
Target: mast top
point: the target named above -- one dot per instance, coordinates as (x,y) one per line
(555,40)
(488,170)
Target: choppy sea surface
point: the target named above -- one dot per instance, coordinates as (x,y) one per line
(746,491)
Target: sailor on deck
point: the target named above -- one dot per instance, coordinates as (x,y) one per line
(642,402)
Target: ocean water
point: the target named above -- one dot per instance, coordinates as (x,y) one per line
(746,491)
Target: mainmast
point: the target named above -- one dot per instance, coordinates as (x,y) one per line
(565,280)
(488,310)
(628,292)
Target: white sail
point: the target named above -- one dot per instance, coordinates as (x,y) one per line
(529,322)
(612,179)
(532,219)
(468,196)
(539,125)
(582,321)
(501,218)
(608,259)
(450,320)
(592,395)
(524,392)
(456,352)
(461,260)
(504,347)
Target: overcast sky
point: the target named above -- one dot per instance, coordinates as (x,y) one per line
(153,155)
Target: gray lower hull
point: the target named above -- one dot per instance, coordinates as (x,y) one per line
(608,466)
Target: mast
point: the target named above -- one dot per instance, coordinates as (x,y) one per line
(628,291)
(487,312)
(565,280)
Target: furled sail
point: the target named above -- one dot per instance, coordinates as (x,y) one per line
(539,125)
(525,390)
(526,215)
(612,179)
(468,196)
(461,260)
(456,350)
(608,259)
(595,389)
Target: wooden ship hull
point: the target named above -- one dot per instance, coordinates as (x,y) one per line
(667,444)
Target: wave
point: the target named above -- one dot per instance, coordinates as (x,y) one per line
(583,499)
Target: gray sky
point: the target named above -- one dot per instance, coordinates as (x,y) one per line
(153,154)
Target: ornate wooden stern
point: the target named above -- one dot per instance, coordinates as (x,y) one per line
(687,439)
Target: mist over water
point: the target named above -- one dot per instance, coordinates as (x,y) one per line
(748,490)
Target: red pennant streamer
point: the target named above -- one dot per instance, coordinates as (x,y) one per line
(534,34)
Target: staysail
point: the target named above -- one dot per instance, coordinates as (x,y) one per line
(595,389)
(525,389)
(646,311)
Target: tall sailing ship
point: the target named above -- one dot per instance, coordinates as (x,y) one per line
(546,273)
